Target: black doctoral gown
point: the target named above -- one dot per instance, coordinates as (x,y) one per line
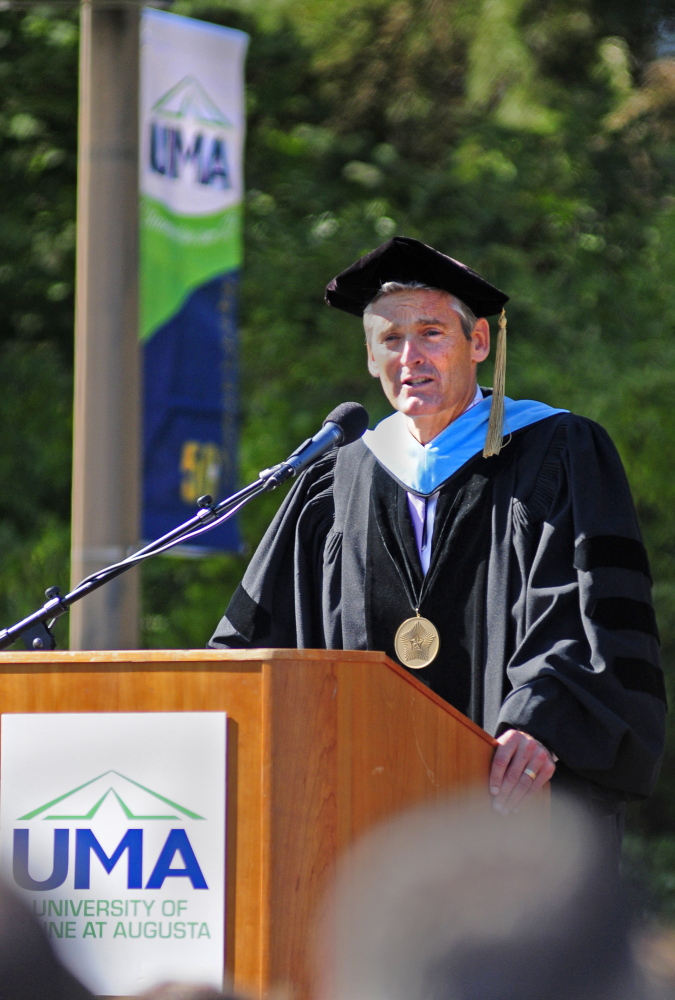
(539,585)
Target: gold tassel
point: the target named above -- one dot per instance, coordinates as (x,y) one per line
(495,432)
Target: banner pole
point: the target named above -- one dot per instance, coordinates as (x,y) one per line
(106,445)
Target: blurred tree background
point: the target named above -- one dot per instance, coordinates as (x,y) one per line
(533,139)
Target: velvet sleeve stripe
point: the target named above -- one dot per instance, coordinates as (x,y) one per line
(613,551)
(637,674)
(625,613)
(247,617)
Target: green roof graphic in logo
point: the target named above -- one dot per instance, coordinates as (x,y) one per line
(136,801)
(188,99)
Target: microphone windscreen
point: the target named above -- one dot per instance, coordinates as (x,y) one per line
(352,418)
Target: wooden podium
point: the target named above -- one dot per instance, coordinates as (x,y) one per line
(321,745)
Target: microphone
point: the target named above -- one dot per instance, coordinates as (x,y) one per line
(346,423)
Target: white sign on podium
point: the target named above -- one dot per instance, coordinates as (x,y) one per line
(112,828)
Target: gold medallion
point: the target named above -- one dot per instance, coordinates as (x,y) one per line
(417,642)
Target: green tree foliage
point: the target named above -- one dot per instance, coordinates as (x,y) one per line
(532,139)
(38,133)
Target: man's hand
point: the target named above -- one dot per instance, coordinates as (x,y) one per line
(520,767)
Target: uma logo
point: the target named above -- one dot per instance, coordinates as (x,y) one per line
(187,136)
(138,803)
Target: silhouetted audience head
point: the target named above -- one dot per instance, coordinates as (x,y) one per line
(29,969)
(456,903)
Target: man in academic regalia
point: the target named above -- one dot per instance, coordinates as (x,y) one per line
(489,544)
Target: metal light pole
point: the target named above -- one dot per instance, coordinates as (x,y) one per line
(106,459)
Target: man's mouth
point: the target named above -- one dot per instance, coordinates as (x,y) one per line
(417,380)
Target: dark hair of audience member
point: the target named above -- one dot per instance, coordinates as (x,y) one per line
(29,969)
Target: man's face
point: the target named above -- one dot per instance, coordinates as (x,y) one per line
(419,352)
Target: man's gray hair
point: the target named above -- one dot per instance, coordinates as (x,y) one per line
(466,316)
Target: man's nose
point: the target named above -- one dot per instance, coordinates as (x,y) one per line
(411,353)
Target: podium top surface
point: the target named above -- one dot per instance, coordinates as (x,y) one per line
(244,660)
(190,655)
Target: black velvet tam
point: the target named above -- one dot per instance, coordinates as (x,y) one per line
(407,260)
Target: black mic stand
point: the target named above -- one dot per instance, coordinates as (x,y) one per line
(35,630)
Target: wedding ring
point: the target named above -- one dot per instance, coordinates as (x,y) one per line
(530,773)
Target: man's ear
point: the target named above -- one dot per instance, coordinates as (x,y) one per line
(480,340)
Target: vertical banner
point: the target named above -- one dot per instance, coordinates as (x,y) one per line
(112,829)
(191,188)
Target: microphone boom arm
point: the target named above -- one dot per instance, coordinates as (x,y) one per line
(35,630)
(344,424)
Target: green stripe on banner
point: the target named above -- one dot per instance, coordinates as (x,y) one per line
(178,254)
